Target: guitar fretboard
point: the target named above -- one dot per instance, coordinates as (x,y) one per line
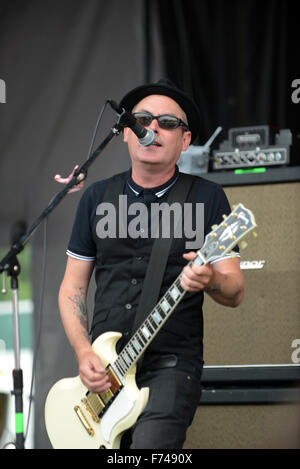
(217,243)
(136,346)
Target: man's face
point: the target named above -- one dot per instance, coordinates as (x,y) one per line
(168,144)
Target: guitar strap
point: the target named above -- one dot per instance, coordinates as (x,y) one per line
(161,247)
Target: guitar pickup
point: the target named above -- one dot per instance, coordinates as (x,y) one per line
(90,410)
(106,396)
(116,384)
(96,404)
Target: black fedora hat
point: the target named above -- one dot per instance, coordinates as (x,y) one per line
(166,88)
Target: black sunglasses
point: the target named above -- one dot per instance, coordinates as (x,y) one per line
(165,121)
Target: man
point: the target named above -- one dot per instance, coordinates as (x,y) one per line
(173,362)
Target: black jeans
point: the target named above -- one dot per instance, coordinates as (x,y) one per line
(173,400)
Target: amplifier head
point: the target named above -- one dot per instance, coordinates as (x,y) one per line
(248,147)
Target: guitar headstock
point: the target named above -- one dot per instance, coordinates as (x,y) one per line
(227,234)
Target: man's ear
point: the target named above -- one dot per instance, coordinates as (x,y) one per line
(186,140)
(125,134)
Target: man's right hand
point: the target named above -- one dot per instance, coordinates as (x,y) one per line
(92,372)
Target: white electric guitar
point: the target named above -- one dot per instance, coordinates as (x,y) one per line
(77,418)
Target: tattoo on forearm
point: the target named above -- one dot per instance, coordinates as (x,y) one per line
(213,289)
(80,309)
(216,290)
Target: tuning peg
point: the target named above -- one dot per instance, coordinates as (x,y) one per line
(243,245)
(224,217)
(254,234)
(214,227)
(233,254)
(234,207)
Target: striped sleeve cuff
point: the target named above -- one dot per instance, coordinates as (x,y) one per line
(228,256)
(78,256)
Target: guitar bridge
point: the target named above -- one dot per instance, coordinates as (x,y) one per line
(84,420)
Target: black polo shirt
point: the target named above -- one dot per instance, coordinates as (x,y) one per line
(121,262)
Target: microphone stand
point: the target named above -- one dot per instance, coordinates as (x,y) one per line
(9,266)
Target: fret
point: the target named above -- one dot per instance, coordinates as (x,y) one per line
(134,347)
(156,316)
(152,322)
(120,364)
(128,354)
(139,339)
(123,358)
(161,312)
(178,286)
(143,339)
(119,368)
(149,326)
(146,332)
(165,305)
(169,299)
(138,344)
(130,351)
(123,369)
(174,292)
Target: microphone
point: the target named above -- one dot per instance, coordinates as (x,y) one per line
(145,137)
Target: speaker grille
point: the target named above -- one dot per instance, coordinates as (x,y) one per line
(261,330)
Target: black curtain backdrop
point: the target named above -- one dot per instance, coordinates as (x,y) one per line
(237,57)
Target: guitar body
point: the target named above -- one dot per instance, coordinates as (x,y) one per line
(69,424)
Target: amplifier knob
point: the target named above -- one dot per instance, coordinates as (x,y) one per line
(261,157)
(251,157)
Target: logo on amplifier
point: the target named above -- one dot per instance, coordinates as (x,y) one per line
(253,264)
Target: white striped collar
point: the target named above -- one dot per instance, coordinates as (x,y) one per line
(161,189)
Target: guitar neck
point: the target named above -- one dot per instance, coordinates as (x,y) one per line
(218,243)
(142,338)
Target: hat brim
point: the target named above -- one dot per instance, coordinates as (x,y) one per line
(185,102)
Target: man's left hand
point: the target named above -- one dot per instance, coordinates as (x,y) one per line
(196,277)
